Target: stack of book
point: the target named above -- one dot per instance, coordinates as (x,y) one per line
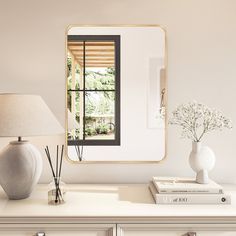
(171,190)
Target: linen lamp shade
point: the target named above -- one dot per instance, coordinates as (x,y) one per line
(26,115)
(20,161)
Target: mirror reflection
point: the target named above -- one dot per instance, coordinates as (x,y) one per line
(93,87)
(116,94)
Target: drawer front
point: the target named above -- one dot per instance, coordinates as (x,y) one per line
(58,230)
(179,233)
(176,230)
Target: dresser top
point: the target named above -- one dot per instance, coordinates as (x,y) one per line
(131,201)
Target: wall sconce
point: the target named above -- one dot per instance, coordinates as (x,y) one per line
(156,94)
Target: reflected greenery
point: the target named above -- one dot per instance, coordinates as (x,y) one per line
(99,105)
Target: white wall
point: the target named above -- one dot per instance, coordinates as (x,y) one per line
(202,55)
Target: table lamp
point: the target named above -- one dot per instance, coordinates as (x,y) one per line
(23,115)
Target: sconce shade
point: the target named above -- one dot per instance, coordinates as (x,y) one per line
(26,115)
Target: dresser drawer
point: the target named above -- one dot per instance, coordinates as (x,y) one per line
(176,230)
(58,230)
(179,233)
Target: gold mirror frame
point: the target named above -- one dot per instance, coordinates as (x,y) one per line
(165,97)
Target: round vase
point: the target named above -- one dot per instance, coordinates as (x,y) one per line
(201,160)
(20,169)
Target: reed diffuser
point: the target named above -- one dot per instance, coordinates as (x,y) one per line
(56,192)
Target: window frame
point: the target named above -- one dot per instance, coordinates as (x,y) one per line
(96,142)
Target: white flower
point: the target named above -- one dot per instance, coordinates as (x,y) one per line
(196,119)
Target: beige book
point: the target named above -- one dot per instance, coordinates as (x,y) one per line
(185,185)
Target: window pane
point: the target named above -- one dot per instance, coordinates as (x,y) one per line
(74,120)
(93,77)
(99,115)
(100,65)
(100,78)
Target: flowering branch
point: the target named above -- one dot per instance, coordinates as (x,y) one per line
(197,119)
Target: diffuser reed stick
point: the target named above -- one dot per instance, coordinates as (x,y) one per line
(79,152)
(56,173)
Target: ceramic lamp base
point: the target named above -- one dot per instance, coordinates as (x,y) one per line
(20,169)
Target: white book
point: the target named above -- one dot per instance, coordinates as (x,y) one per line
(188,199)
(173,185)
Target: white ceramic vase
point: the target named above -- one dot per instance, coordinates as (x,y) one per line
(20,169)
(201,160)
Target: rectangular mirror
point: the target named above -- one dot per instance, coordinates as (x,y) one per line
(116,94)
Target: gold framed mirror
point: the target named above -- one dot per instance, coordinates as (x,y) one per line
(116,93)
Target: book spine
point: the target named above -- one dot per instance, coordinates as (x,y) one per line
(190,191)
(192,199)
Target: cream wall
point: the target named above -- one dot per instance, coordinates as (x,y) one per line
(202,56)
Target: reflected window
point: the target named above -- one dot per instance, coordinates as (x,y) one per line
(93,90)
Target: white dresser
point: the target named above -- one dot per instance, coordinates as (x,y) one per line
(113,210)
